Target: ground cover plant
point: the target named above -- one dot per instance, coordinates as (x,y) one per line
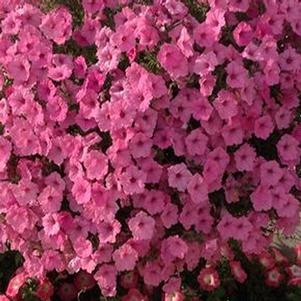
(149,149)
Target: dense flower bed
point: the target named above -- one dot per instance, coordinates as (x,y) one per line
(148,139)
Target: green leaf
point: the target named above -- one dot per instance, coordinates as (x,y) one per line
(196,9)
(149,61)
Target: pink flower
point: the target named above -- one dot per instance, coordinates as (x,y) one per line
(267,260)
(263,127)
(142,226)
(52,260)
(286,205)
(289,60)
(57,108)
(288,148)
(5,150)
(179,176)
(169,215)
(196,142)
(185,43)
(93,6)
(96,165)
(205,63)
(124,38)
(51,224)
(106,279)
(81,190)
(245,158)
(15,284)
(209,279)
(298,253)
(270,173)
(57,25)
(207,83)
(211,171)
(153,202)
(174,296)
(261,198)
(236,75)
(205,35)
(176,8)
(273,277)
(173,285)
(82,247)
(140,146)
(226,104)
(152,273)
(202,109)
(132,180)
(125,258)
(233,133)
(19,69)
(238,272)
(103,254)
(124,149)
(243,34)
(50,199)
(172,60)
(80,67)
(198,189)
(240,6)
(11,24)
(107,231)
(172,248)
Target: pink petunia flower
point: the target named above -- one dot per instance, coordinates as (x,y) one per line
(179,176)
(125,258)
(142,226)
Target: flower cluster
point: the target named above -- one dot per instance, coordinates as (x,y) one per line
(274,270)
(145,136)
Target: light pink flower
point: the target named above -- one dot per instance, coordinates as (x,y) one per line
(179,176)
(96,165)
(125,258)
(81,190)
(142,226)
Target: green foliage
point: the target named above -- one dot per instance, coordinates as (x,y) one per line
(220,83)
(92,295)
(2,127)
(293,294)
(193,81)
(70,47)
(149,61)
(267,148)
(49,167)
(10,261)
(298,112)
(167,156)
(124,62)
(196,9)
(73,49)
(228,39)
(109,13)
(240,208)
(12,172)
(217,295)
(28,290)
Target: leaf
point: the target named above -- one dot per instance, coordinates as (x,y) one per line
(196,9)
